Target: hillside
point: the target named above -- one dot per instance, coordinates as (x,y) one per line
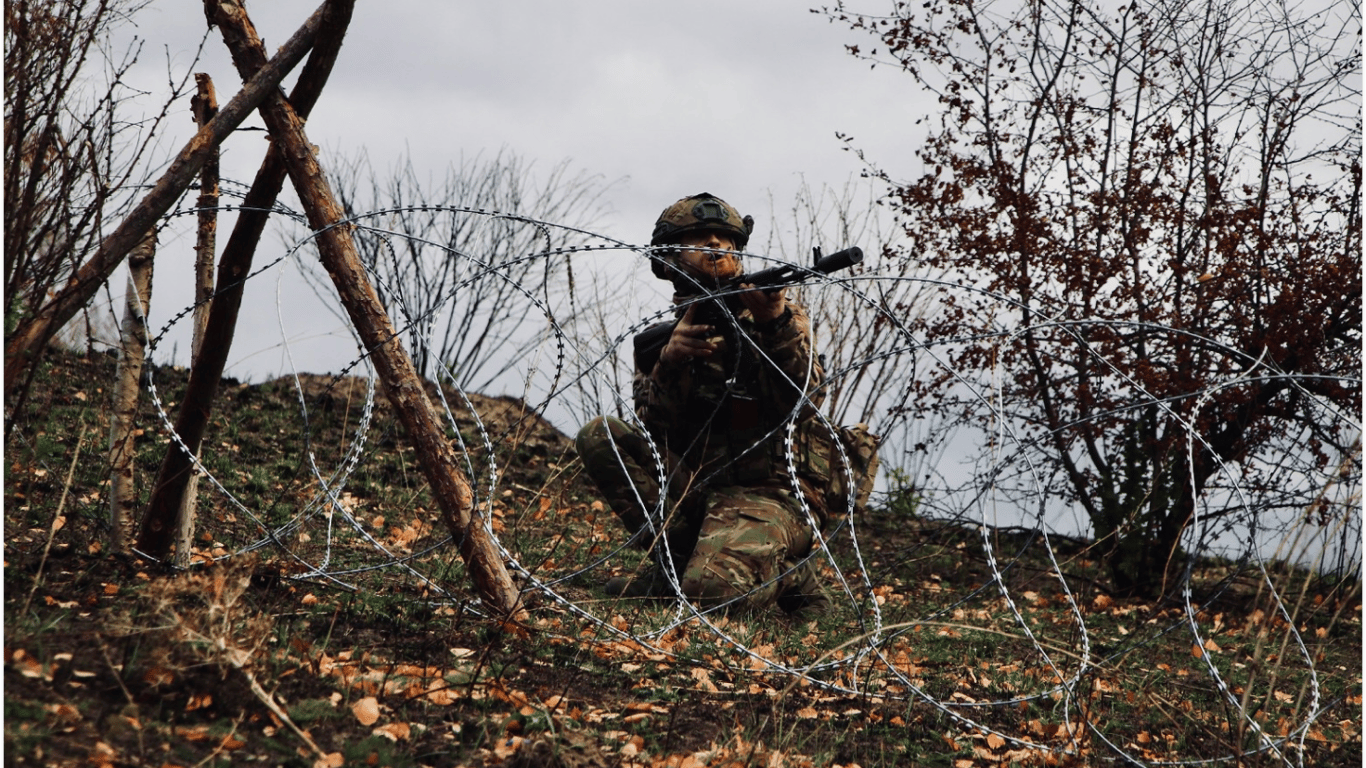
(344,612)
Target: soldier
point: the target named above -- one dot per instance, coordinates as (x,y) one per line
(717,401)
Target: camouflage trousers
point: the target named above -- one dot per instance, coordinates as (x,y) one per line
(742,544)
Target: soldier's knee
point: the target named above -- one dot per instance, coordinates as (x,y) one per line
(707,589)
(722,577)
(593,434)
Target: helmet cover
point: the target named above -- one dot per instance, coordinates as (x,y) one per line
(699,213)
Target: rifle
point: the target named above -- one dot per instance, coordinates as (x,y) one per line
(650,342)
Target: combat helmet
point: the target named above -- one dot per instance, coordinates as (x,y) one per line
(703,211)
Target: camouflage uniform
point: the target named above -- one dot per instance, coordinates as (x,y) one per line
(734,523)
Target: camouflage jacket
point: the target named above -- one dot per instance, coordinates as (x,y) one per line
(726,416)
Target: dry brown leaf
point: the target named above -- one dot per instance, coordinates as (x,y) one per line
(366,710)
(443,696)
(394,731)
(505,748)
(703,678)
(27,665)
(192,733)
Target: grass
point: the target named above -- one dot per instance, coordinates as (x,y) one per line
(357,599)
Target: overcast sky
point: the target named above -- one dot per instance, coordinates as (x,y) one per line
(741,99)
(736,98)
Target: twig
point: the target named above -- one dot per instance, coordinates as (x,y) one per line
(269,701)
(222,744)
(118,672)
(57,519)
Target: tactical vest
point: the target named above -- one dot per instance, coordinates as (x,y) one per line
(734,420)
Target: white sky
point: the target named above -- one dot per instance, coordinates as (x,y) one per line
(741,99)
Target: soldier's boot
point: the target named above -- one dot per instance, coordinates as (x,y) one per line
(649,581)
(807,599)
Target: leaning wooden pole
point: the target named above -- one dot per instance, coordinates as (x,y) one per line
(396,371)
(31,337)
(233,267)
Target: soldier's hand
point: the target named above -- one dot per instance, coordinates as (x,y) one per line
(764,305)
(690,339)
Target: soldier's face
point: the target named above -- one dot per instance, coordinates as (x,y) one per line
(717,265)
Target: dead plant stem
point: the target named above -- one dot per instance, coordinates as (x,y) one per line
(269,701)
(57,518)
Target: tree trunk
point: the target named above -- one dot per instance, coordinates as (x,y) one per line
(33,333)
(127,385)
(196,407)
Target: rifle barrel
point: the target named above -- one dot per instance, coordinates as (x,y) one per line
(787,274)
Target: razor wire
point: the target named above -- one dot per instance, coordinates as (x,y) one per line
(865,665)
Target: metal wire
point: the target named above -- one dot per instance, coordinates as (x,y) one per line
(862,664)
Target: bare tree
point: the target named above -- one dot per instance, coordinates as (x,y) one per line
(464,261)
(1155,213)
(29,326)
(71,154)
(860,317)
(849,315)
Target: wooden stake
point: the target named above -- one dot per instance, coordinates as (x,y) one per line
(396,372)
(233,268)
(137,301)
(205,107)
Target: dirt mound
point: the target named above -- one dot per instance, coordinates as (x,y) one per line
(503,417)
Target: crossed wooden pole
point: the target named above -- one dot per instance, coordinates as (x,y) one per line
(290,154)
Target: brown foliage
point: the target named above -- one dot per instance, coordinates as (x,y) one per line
(1154,213)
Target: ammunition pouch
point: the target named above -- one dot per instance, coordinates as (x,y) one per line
(831,476)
